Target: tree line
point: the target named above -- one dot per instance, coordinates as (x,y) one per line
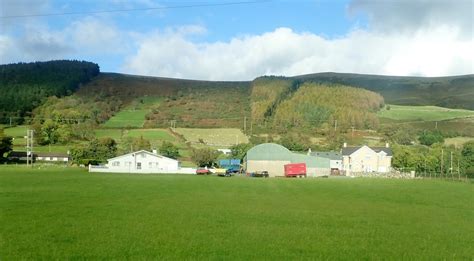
(24,86)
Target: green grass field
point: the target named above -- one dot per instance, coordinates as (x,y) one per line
(133,116)
(127,119)
(115,134)
(17,131)
(152,134)
(70,214)
(214,137)
(423,113)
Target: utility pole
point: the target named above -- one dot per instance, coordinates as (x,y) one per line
(442,158)
(29,147)
(352,131)
(436,125)
(245,124)
(459,174)
(451,166)
(251,127)
(335,125)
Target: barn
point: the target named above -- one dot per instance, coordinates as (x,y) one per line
(272,157)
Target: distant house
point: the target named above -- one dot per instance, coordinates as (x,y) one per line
(142,162)
(272,158)
(225,151)
(366,159)
(51,157)
(39,157)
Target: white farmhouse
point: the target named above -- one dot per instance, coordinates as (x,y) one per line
(142,162)
(366,159)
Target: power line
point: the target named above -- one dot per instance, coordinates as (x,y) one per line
(138,9)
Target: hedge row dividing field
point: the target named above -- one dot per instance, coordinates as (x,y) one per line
(67,213)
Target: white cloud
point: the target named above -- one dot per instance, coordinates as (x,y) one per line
(285,52)
(412,15)
(92,35)
(87,36)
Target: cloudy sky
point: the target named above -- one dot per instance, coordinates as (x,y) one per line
(240,40)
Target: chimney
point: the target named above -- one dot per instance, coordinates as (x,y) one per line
(345,145)
(154,151)
(387,145)
(309,151)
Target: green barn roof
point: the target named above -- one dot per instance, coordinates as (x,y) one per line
(269,151)
(272,151)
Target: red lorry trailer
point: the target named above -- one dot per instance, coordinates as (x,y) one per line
(295,170)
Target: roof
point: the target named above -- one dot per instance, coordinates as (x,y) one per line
(327,154)
(269,151)
(17,154)
(37,154)
(51,154)
(311,161)
(140,151)
(272,151)
(350,150)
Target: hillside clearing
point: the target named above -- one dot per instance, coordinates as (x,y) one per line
(133,116)
(457,141)
(213,137)
(423,113)
(66,213)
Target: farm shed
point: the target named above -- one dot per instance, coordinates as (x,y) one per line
(335,158)
(272,158)
(315,166)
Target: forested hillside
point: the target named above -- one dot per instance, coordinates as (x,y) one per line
(450,92)
(24,86)
(313,105)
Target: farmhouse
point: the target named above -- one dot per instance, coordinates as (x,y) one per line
(141,162)
(366,159)
(272,158)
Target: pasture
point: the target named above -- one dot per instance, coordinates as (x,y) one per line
(423,113)
(127,119)
(214,137)
(67,213)
(17,131)
(133,116)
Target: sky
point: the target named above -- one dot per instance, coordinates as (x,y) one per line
(241,40)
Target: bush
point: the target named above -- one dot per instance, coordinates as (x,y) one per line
(204,157)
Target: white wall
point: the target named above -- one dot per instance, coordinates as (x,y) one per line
(141,162)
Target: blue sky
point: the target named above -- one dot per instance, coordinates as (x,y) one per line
(246,40)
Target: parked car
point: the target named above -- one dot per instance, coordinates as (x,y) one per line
(259,174)
(203,171)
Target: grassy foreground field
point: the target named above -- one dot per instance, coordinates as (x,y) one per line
(70,214)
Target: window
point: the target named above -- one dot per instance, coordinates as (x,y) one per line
(139,165)
(116,163)
(157,164)
(150,165)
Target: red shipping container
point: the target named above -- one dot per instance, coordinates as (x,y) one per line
(295,169)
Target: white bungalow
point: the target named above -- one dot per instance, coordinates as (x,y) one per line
(141,162)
